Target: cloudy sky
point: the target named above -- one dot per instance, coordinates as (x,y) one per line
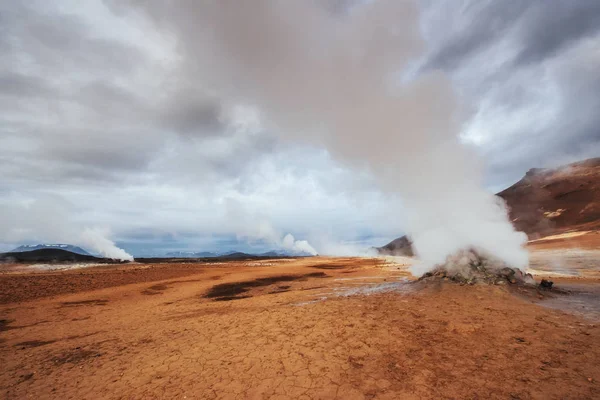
(106,126)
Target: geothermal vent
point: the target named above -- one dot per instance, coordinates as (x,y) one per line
(470,267)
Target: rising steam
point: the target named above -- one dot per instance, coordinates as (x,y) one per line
(263,230)
(298,246)
(98,241)
(342,80)
(48,219)
(251,226)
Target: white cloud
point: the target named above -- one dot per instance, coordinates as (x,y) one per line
(100,128)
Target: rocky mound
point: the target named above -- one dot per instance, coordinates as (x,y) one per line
(469,267)
(480,273)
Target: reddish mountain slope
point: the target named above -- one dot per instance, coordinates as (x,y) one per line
(545,202)
(548,201)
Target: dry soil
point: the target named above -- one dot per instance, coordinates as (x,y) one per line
(314,328)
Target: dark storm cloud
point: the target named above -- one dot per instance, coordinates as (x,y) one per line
(15,84)
(574,133)
(99,150)
(78,104)
(523,64)
(542,27)
(554,24)
(483,23)
(192,113)
(60,43)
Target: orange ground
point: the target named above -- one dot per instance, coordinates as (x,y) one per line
(305,329)
(587,241)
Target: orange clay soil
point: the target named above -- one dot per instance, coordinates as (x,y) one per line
(302,329)
(589,240)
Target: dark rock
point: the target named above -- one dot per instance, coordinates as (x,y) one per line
(399,247)
(507,272)
(545,284)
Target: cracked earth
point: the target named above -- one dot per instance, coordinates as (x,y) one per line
(316,328)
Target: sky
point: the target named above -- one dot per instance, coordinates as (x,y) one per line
(107,126)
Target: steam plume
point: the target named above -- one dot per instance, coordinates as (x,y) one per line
(299,246)
(48,220)
(342,80)
(97,240)
(255,227)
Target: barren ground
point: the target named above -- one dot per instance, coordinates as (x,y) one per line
(315,328)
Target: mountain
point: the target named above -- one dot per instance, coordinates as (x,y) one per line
(191,254)
(544,202)
(550,201)
(397,247)
(270,254)
(285,253)
(227,253)
(67,247)
(49,255)
(236,254)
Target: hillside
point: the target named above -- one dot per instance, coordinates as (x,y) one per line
(545,202)
(51,255)
(67,247)
(397,247)
(550,201)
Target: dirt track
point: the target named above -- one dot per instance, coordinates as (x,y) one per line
(313,328)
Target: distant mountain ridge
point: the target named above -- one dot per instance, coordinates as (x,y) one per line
(51,255)
(233,254)
(67,247)
(229,256)
(191,254)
